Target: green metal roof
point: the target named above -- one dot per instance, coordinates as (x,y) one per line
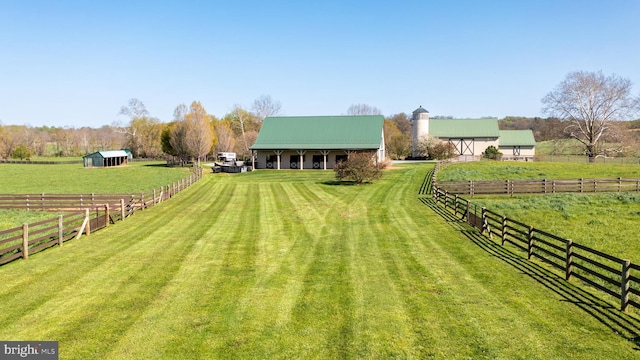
(517,138)
(464,128)
(109,153)
(320,132)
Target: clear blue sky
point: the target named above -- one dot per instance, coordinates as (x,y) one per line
(75,63)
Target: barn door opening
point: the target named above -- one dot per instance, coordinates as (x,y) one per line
(317,161)
(463,146)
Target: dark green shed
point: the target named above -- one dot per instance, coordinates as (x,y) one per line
(106,158)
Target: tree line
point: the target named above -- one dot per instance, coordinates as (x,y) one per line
(192,134)
(586,106)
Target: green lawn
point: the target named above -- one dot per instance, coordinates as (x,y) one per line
(607,222)
(75,179)
(286,264)
(511,170)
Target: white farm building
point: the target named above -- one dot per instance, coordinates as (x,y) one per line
(471,137)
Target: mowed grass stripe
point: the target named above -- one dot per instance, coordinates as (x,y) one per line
(110,285)
(297,268)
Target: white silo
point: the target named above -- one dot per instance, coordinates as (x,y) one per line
(420,128)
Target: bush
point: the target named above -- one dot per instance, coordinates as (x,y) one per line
(442,151)
(21,152)
(492,153)
(359,168)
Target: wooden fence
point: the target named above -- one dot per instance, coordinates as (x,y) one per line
(544,186)
(617,277)
(81,214)
(40,162)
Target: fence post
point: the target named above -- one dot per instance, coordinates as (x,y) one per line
(154,196)
(42,200)
(446,198)
(530,243)
(471,189)
(122,209)
(27,197)
(25,241)
(553,186)
(619,184)
(468,210)
(86,218)
(624,285)
(545,186)
(504,230)
(569,267)
(60,236)
(106,214)
(485,224)
(455,206)
(581,184)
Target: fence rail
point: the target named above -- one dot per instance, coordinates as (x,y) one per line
(615,276)
(544,186)
(39,162)
(81,214)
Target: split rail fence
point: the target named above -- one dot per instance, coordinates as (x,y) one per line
(77,214)
(617,277)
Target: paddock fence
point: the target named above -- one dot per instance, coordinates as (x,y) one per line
(39,162)
(619,278)
(78,214)
(544,186)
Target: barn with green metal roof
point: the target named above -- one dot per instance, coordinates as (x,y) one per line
(316,142)
(471,137)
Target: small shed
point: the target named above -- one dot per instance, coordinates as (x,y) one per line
(517,144)
(106,158)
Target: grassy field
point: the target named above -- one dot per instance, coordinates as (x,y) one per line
(75,179)
(503,170)
(286,264)
(607,222)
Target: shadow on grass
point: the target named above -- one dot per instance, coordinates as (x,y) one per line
(340,182)
(164,165)
(619,322)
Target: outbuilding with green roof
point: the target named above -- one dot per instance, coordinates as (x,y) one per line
(471,137)
(316,142)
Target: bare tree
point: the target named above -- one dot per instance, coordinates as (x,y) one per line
(226,140)
(264,106)
(198,134)
(178,134)
(135,110)
(363,109)
(589,102)
(244,121)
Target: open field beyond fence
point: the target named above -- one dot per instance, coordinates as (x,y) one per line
(79,214)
